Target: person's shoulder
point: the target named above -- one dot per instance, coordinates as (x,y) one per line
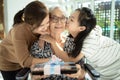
(109,40)
(22,27)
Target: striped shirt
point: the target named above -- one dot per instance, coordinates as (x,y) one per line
(103,54)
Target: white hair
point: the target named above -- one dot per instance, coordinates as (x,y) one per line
(57,6)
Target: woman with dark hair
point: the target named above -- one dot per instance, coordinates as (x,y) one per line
(86,40)
(28,24)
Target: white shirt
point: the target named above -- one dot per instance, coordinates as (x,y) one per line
(103,54)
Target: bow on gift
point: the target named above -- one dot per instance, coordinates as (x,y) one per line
(55,61)
(53,66)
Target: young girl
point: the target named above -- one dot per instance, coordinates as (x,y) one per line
(101,52)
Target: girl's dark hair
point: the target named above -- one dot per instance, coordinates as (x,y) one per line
(33,13)
(86,18)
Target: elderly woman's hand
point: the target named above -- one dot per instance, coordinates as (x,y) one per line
(47,38)
(80,74)
(37,77)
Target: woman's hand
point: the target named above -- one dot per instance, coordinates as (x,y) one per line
(37,77)
(80,74)
(47,38)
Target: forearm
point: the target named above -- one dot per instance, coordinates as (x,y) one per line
(63,55)
(38,60)
(28,61)
(59,52)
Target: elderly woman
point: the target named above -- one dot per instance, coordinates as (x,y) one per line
(43,49)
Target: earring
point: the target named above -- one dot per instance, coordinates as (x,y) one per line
(23,17)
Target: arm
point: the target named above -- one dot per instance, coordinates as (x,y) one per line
(21,41)
(59,51)
(38,60)
(23,55)
(63,55)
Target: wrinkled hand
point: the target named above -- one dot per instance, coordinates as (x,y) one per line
(38,77)
(47,38)
(44,33)
(80,74)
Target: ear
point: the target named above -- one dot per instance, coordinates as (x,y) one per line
(82,28)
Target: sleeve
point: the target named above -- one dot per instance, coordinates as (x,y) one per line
(20,44)
(91,44)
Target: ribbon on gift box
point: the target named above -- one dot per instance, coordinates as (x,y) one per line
(53,66)
(55,60)
(52,69)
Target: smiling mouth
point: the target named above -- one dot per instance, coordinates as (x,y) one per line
(58,27)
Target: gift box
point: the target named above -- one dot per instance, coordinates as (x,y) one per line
(54,68)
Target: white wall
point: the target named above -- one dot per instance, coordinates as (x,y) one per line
(11,7)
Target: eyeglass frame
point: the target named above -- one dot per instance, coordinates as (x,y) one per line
(56,19)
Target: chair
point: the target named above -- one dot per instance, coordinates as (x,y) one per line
(23,74)
(93,74)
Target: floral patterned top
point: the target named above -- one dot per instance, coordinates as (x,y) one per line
(46,52)
(38,52)
(69,45)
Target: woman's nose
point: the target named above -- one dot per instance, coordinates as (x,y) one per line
(67,21)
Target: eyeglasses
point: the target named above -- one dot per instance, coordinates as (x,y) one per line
(56,19)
